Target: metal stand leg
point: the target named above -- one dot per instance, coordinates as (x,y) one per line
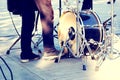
(8,51)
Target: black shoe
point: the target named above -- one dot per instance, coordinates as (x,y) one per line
(31,57)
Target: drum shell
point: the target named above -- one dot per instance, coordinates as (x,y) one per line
(93,29)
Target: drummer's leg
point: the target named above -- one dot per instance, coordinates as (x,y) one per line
(47,16)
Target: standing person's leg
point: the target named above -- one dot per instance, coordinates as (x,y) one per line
(47,16)
(87,4)
(28,18)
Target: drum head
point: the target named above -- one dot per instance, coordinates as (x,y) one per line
(67,25)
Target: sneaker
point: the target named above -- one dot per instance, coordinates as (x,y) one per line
(50,55)
(32,57)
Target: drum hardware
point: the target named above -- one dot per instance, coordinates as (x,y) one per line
(107,51)
(110,51)
(112,31)
(103,54)
(89,20)
(105,23)
(102,51)
(100,60)
(65,45)
(100,43)
(79,32)
(71,33)
(82,42)
(92,41)
(60,8)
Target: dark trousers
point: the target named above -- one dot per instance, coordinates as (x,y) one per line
(28,18)
(87,4)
